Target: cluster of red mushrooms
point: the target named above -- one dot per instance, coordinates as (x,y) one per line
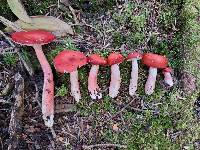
(68,61)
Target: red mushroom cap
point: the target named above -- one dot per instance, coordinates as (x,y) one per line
(32,37)
(155,60)
(69,61)
(168,69)
(115,58)
(134,55)
(95,59)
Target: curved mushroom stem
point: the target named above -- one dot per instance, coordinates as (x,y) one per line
(134,77)
(168,79)
(92,83)
(75,91)
(48,88)
(151,80)
(115,81)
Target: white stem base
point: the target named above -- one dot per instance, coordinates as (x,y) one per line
(92,83)
(168,79)
(75,91)
(151,80)
(115,81)
(134,77)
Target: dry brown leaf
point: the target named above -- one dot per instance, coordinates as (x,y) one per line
(49,23)
(18,9)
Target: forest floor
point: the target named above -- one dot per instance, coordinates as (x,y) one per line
(166,120)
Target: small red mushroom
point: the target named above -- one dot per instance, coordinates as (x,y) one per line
(134,57)
(114,59)
(68,61)
(37,38)
(167,76)
(154,61)
(93,87)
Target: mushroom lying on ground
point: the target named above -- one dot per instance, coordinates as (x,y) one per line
(37,38)
(93,87)
(114,59)
(167,76)
(154,61)
(134,57)
(68,61)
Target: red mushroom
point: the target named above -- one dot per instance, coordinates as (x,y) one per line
(154,61)
(93,87)
(68,61)
(134,57)
(168,78)
(37,38)
(114,59)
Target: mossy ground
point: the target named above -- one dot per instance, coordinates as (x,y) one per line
(164,120)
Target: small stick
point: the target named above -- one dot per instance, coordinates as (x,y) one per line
(26,64)
(9,50)
(77,23)
(103,145)
(10,24)
(7,38)
(4,101)
(74,15)
(127,105)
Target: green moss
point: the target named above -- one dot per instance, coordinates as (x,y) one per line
(93,5)
(10,59)
(61,91)
(35,8)
(118,39)
(191,36)
(135,22)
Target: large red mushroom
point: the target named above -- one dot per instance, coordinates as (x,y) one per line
(154,61)
(37,38)
(114,59)
(134,57)
(68,61)
(93,87)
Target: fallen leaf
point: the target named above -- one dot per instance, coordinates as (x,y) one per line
(48,23)
(18,9)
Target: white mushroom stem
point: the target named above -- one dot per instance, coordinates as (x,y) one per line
(115,81)
(168,79)
(92,83)
(151,80)
(134,77)
(48,88)
(75,91)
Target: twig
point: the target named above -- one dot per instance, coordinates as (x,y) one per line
(10,24)
(37,94)
(127,105)
(74,15)
(103,145)
(77,23)
(17,112)
(7,38)
(4,101)
(9,50)
(88,25)
(26,64)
